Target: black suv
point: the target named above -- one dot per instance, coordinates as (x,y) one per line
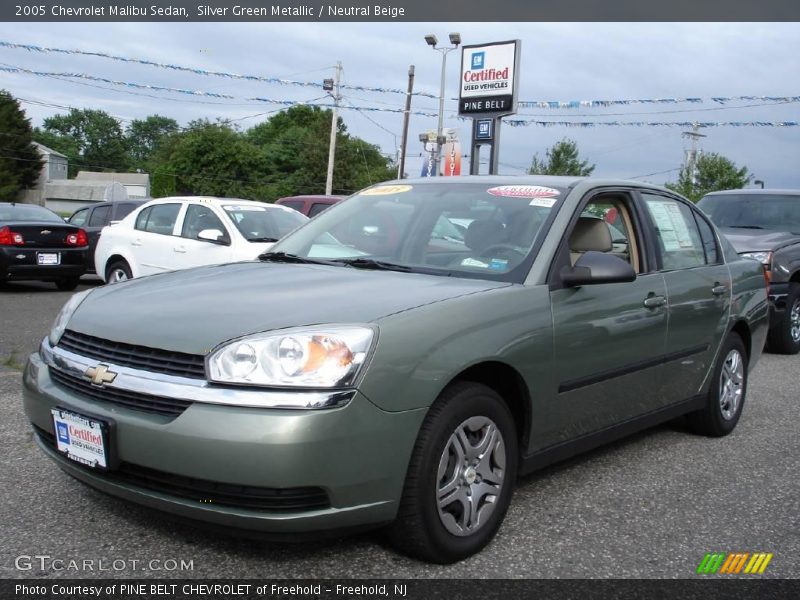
(765,225)
(93,218)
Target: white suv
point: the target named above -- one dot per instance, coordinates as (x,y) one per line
(183,232)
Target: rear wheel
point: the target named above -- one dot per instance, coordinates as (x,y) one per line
(69,284)
(727,392)
(785,337)
(460,478)
(118,271)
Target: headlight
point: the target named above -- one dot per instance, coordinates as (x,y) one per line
(765,258)
(319,356)
(64,316)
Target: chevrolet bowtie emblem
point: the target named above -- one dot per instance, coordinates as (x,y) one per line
(100,374)
(46,232)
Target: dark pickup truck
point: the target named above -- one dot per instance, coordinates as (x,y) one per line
(765,225)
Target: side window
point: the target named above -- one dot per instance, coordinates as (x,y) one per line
(100,216)
(678,237)
(160,219)
(141,218)
(199,217)
(316,209)
(606,225)
(295,204)
(79,218)
(122,210)
(709,240)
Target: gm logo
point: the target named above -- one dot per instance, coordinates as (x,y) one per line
(63,433)
(478,59)
(484,129)
(754,563)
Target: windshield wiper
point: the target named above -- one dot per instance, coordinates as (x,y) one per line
(285,257)
(746,227)
(262,239)
(371,263)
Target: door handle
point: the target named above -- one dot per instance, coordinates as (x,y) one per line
(719,289)
(654,301)
(181,249)
(136,242)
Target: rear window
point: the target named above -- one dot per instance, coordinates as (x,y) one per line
(780,212)
(27,212)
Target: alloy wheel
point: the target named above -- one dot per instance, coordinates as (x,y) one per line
(731,384)
(794,321)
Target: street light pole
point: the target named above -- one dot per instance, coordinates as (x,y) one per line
(455,40)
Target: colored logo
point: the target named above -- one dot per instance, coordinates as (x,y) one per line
(63,433)
(478,59)
(100,374)
(734,563)
(484,129)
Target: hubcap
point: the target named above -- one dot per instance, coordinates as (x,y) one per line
(794,321)
(731,382)
(471,475)
(118,275)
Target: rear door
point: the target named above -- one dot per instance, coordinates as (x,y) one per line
(609,339)
(154,237)
(99,218)
(698,291)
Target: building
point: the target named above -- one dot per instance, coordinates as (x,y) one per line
(137,185)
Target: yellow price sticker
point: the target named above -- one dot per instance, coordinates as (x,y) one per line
(386,190)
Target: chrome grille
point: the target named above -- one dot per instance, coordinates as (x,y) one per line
(136,357)
(171,407)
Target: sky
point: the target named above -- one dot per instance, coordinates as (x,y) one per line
(560,62)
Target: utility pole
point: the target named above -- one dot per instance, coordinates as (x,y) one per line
(406,115)
(691,155)
(333,86)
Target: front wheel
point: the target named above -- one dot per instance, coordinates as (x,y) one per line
(118,271)
(784,338)
(460,478)
(727,392)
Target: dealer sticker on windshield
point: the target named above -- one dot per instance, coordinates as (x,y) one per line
(524,191)
(386,190)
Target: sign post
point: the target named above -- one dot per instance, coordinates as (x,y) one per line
(487,93)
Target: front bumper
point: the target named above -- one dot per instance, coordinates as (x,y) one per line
(357,454)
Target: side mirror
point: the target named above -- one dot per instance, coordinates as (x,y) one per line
(215,236)
(597,267)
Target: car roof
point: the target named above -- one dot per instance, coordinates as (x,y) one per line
(755,192)
(562,181)
(314,197)
(214,200)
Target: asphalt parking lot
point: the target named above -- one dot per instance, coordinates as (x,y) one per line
(650,506)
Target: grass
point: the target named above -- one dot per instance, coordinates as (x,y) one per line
(11,362)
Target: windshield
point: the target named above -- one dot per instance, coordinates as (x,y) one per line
(754,211)
(27,212)
(262,223)
(457,229)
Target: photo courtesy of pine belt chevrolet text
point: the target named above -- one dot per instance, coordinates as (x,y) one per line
(400,359)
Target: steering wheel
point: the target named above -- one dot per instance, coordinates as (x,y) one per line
(500,249)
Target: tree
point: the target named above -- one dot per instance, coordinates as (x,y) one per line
(713,172)
(145,137)
(295,146)
(95,134)
(212,159)
(561,159)
(20,162)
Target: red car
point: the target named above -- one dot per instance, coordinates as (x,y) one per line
(310,206)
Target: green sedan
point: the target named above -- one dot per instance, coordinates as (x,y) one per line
(402,358)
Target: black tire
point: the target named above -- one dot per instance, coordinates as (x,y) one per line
(69,284)
(720,415)
(419,530)
(119,267)
(781,338)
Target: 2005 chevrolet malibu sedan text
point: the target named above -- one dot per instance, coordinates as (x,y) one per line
(401,358)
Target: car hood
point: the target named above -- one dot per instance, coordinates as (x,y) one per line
(194,310)
(756,240)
